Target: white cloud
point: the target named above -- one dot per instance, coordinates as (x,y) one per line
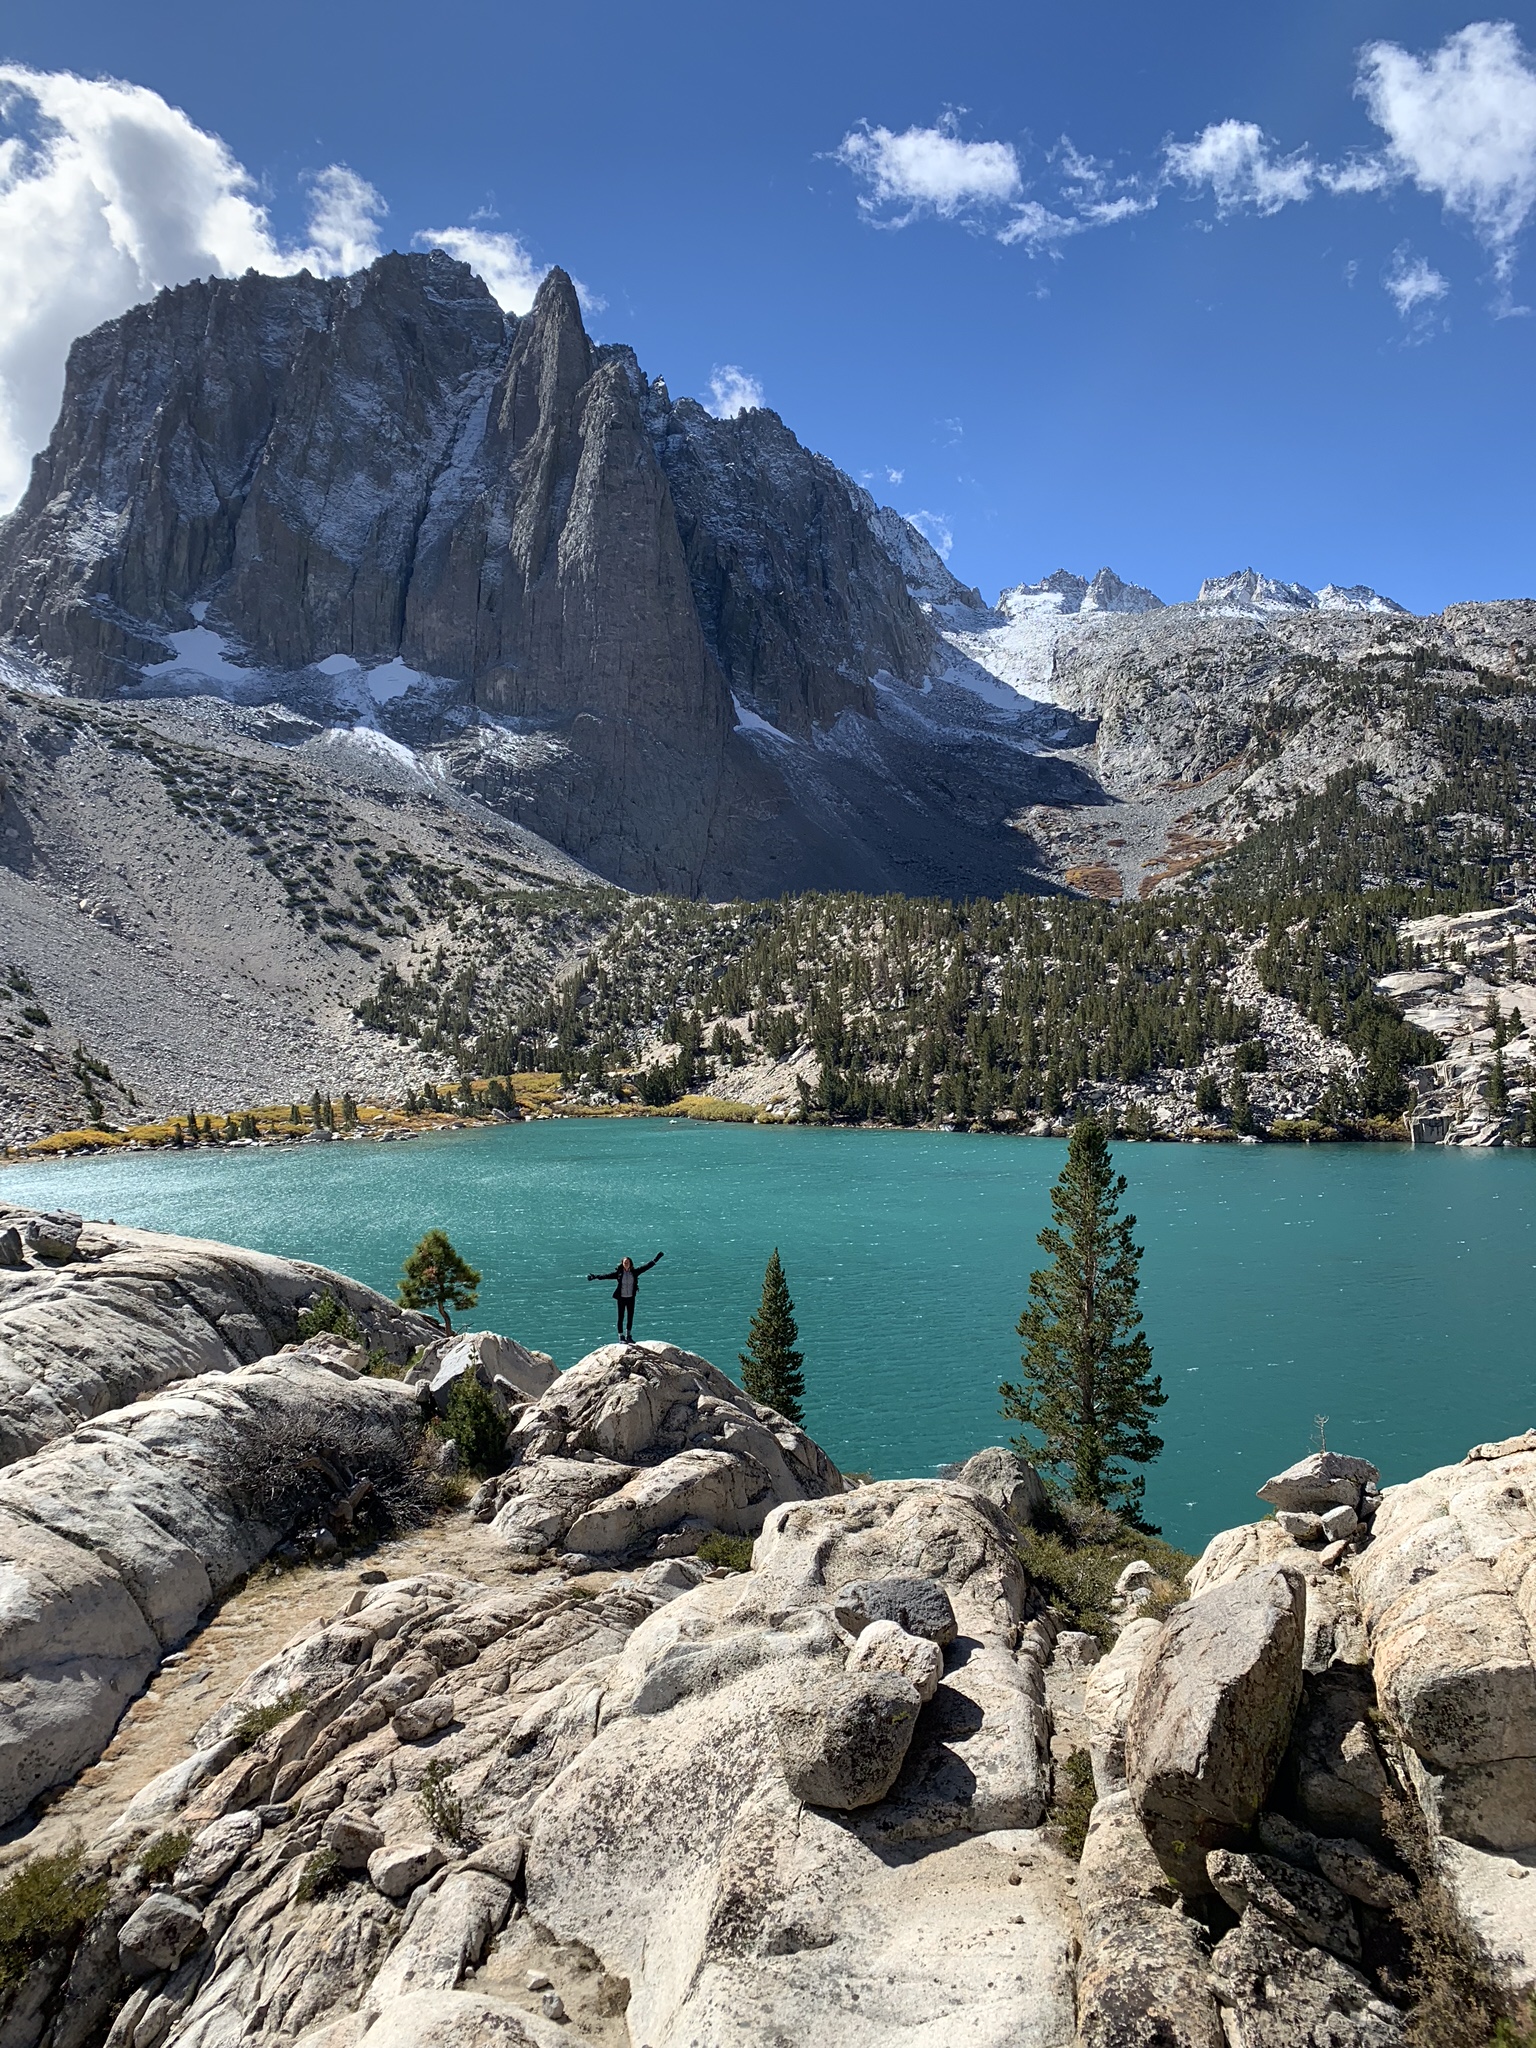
(108,193)
(732,391)
(894,476)
(1235,160)
(1094,196)
(510,273)
(1411,282)
(344,216)
(1036,227)
(1461,123)
(1356,174)
(935,530)
(1103,213)
(927,170)
(504,265)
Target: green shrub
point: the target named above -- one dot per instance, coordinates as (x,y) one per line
(45,1906)
(1076,1564)
(326,1316)
(1079,1584)
(441,1806)
(477,1426)
(733,1552)
(321,1874)
(254,1723)
(1458,1996)
(380,1366)
(450,1490)
(159,1858)
(1073,1804)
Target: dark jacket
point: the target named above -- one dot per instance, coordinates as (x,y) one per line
(617,1274)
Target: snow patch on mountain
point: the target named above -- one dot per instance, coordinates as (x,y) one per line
(748,721)
(17,673)
(338,685)
(200,652)
(1012,644)
(364,749)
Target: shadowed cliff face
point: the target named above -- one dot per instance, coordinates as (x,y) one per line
(386,467)
(800,608)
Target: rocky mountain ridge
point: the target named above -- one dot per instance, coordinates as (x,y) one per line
(673,645)
(1203,721)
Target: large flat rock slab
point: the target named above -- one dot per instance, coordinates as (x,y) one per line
(115,1540)
(101,1314)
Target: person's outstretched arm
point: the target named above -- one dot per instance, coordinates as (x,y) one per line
(604,1276)
(651,1262)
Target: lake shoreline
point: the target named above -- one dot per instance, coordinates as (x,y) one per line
(385,1123)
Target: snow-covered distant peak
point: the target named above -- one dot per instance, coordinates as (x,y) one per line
(1249,593)
(1062,592)
(1357,597)
(1245,590)
(1107,593)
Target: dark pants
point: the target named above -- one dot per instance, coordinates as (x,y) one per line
(626,1316)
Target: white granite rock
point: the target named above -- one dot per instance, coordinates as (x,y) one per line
(115,1540)
(885,1646)
(133,1311)
(642,1449)
(1211,1716)
(399,1867)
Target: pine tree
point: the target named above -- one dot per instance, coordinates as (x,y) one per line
(1496,1088)
(1208,1096)
(436,1279)
(1088,1389)
(772,1367)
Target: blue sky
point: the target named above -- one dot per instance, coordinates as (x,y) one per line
(1303,350)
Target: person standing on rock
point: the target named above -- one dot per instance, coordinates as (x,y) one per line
(627,1274)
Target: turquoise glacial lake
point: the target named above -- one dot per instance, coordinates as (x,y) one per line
(1392,1290)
